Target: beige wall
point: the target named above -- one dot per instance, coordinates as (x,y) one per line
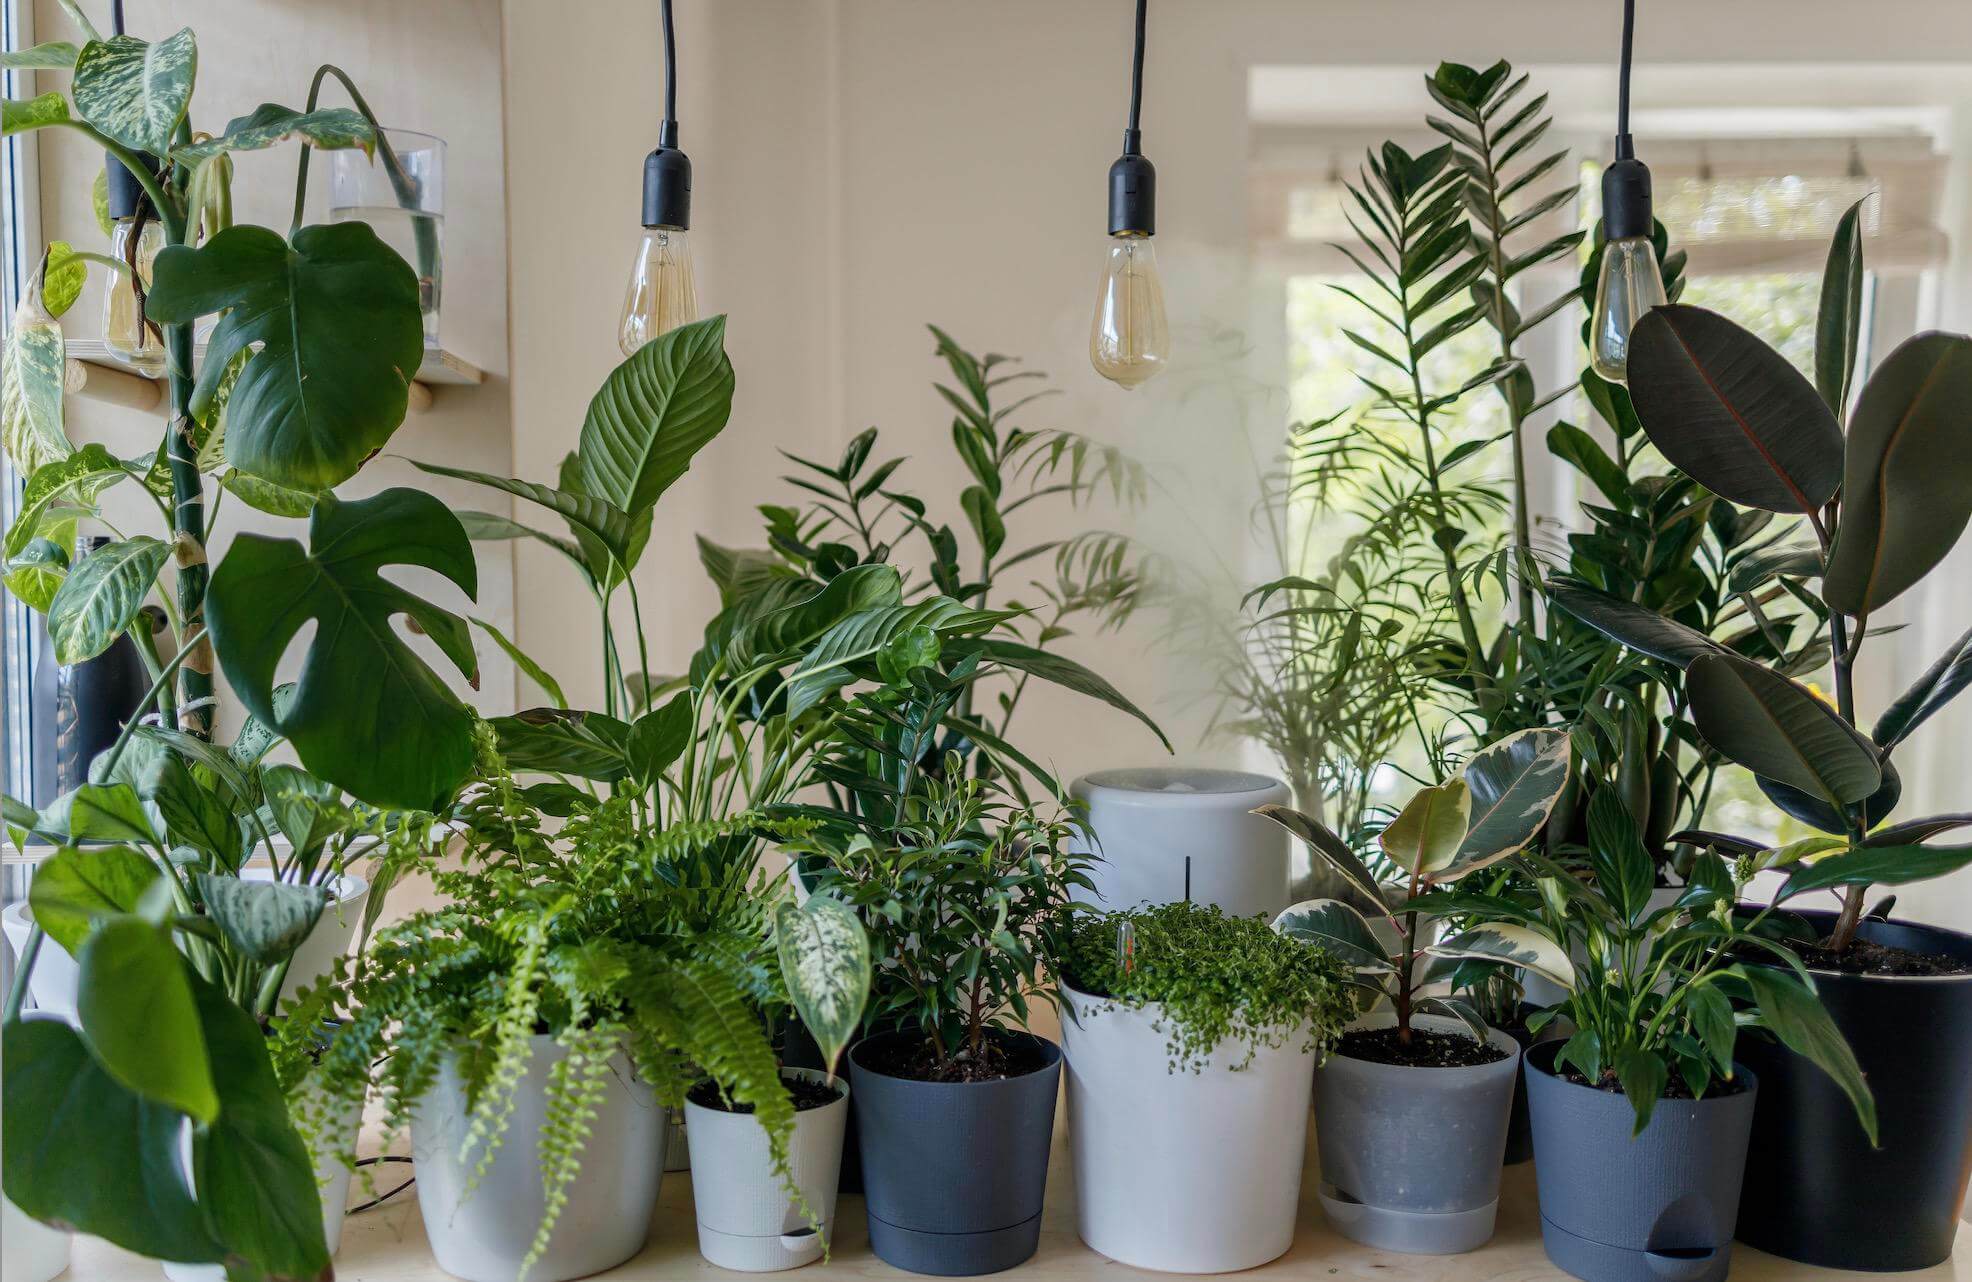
(433,66)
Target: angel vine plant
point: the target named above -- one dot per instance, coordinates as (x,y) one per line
(1443,835)
(1879,477)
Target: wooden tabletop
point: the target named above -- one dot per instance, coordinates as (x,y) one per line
(387,1244)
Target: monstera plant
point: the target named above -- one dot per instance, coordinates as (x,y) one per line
(304,376)
(1882,479)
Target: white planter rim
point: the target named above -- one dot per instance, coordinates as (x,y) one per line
(1151,786)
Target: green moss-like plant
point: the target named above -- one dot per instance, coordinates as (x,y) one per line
(1215,978)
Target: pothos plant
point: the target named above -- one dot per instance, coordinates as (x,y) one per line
(1879,478)
(1444,834)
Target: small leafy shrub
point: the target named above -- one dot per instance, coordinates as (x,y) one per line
(1217,978)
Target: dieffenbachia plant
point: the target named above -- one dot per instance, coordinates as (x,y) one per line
(1883,479)
(1444,834)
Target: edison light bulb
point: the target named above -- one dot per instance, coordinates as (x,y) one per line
(1628,287)
(128,338)
(1130,338)
(661,296)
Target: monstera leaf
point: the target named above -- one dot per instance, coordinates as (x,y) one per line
(339,336)
(367,714)
(654,412)
(1732,413)
(825,962)
(1907,486)
(330,128)
(136,91)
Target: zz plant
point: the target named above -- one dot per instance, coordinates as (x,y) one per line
(1443,835)
(1878,476)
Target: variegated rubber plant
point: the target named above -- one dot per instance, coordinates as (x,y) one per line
(1444,834)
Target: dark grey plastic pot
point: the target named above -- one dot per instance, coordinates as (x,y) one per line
(1411,1156)
(1519,1130)
(1657,1208)
(954,1172)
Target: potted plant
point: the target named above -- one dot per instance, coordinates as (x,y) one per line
(1875,477)
(1411,1107)
(963,898)
(1192,1039)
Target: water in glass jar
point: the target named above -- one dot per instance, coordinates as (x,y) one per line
(418,238)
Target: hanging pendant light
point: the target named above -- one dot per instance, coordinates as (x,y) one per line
(661,295)
(1129,338)
(1630,283)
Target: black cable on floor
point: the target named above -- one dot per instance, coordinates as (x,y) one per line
(381,1198)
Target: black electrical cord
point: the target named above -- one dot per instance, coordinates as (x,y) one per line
(116,17)
(1133,179)
(668,130)
(1623,147)
(381,1198)
(1131,136)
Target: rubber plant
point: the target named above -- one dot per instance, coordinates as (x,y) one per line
(305,374)
(1883,479)
(1443,834)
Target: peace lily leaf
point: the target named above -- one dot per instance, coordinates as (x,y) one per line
(31,372)
(1623,870)
(860,637)
(1643,1077)
(266,920)
(658,738)
(1058,670)
(654,412)
(1838,318)
(75,888)
(368,714)
(773,624)
(330,128)
(1426,835)
(1777,729)
(254,1175)
(21,114)
(1938,685)
(37,573)
(1514,784)
(739,571)
(1875,865)
(521,659)
(101,596)
(135,1003)
(126,1184)
(1907,488)
(1515,945)
(825,962)
(1790,1011)
(611,529)
(1338,928)
(49,55)
(136,91)
(1333,851)
(483,527)
(1732,413)
(340,337)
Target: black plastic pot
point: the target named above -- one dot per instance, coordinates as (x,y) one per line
(1519,1129)
(1815,1190)
(1657,1208)
(954,1172)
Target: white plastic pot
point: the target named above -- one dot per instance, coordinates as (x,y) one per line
(746,1220)
(483,1236)
(1182,1172)
(30,1251)
(56,977)
(1166,833)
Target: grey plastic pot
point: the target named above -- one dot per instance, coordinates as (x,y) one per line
(746,1219)
(954,1172)
(1657,1208)
(483,1235)
(1410,1157)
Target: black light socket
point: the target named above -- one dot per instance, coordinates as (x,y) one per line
(1132,192)
(1626,212)
(668,182)
(125,193)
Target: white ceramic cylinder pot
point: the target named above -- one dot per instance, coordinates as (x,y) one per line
(1181,1172)
(1166,834)
(746,1219)
(30,1251)
(483,1236)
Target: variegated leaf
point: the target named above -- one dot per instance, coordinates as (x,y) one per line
(136,91)
(1462,1011)
(1515,784)
(825,962)
(1515,945)
(63,273)
(36,574)
(1333,851)
(1337,928)
(1425,837)
(20,114)
(330,128)
(101,595)
(50,55)
(31,369)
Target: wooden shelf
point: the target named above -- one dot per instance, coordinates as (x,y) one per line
(91,371)
(387,1244)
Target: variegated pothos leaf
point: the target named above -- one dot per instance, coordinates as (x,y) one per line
(136,91)
(329,128)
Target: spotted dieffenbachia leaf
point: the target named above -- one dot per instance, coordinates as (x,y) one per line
(136,91)
(329,128)
(31,387)
(825,962)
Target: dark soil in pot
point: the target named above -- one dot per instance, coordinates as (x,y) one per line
(1426,1049)
(954,1172)
(1816,1191)
(805,1093)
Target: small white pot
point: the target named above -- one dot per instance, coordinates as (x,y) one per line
(57,978)
(746,1220)
(1169,833)
(30,1251)
(1181,1172)
(483,1236)
(334,1152)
